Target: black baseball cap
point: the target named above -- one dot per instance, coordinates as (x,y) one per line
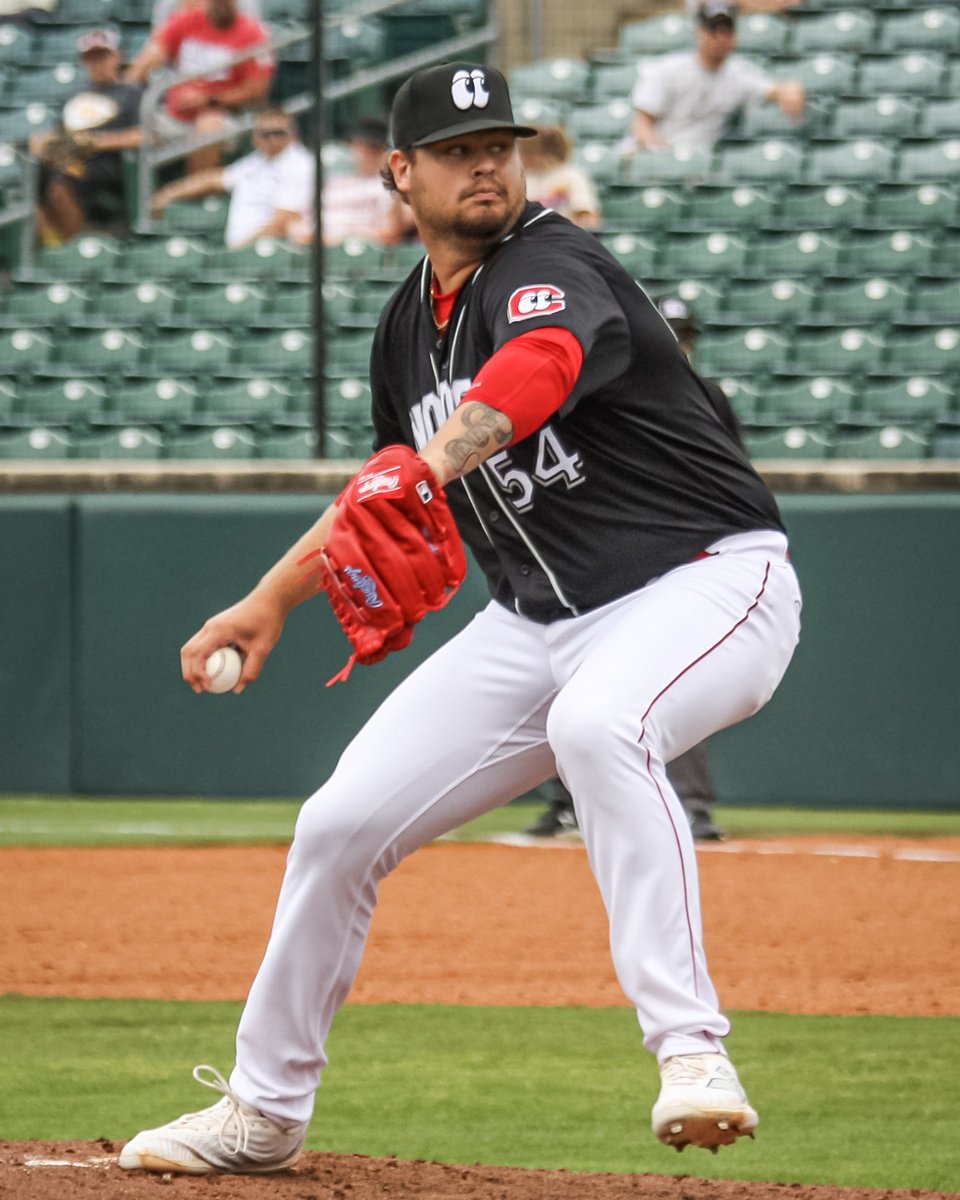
(450,99)
(717,15)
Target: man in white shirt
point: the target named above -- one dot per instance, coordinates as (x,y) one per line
(685,100)
(355,203)
(271,190)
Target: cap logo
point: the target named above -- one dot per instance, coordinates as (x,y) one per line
(538,300)
(469,89)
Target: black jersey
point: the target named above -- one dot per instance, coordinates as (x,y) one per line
(634,475)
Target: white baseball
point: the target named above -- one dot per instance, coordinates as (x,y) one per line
(223,669)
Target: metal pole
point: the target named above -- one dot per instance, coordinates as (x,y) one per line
(320,138)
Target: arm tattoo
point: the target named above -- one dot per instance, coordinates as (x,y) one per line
(483,430)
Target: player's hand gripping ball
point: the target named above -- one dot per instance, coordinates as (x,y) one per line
(223,669)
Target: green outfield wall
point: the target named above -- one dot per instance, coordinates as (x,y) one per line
(97,593)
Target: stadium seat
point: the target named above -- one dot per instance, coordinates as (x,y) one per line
(741,352)
(293,305)
(223,442)
(934,301)
(822,206)
(848,31)
(55,44)
(280,352)
(657,35)
(902,205)
(790,441)
(788,254)
(843,351)
(704,296)
(136,304)
(671,165)
(129,442)
(729,207)
(533,111)
(86,257)
(761,34)
(768,301)
(25,350)
(849,301)
(154,401)
(859,160)
(931,350)
(259,398)
(288,444)
(562,79)
(196,352)
(348,441)
(36,442)
(17,125)
(43,306)
(16,44)
(935,28)
(355,41)
(67,402)
(821,74)
(98,352)
(266,258)
(229,306)
(636,254)
(946,253)
(906,397)
(366,306)
(191,218)
(759,121)
(347,401)
(612,80)
(945,443)
(808,398)
(773,160)
(893,442)
(901,252)
(743,394)
(354,258)
(905,74)
(347,354)
(9,395)
(601,161)
(940,118)
(876,117)
(49,85)
(636,208)
(608,121)
(165,258)
(930,160)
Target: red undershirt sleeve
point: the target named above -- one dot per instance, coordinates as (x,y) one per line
(529,378)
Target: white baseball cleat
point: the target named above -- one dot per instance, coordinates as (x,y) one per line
(230,1136)
(701,1103)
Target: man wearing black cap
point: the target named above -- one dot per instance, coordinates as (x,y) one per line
(642,597)
(686,99)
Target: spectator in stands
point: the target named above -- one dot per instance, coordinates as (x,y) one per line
(355,203)
(686,99)
(272,190)
(163,10)
(81,177)
(22,12)
(554,181)
(203,39)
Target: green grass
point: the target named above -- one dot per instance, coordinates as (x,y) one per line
(100,821)
(843,1100)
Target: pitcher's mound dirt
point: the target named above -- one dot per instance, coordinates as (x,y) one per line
(87,1170)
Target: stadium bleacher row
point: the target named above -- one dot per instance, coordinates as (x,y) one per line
(822,259)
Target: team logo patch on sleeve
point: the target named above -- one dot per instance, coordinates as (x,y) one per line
(536,300)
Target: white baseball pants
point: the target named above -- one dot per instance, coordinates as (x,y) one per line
(605,700)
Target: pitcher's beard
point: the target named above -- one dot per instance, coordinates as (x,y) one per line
(484,227)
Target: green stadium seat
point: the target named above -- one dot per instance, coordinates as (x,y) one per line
(563,79)
(85,257)
(348,354)
(534,111)
(787,441)
(352,259)
(902,205)
(280,352)
(848,31)
(670,165)
(613,80)
(133,304)
(130,442)
(165,258)
(741,352)
(935,28)
(743,394)
(759,121)
(192,218)
(808,398)
(940,118)
(832,74)
(348,441)
(98,352)
(635,253)
(289,444)
(761,34)
(607,122)
(44,305)
(370,297)
(89,12)
(602,162)
(703,254)
(786,254)
(228,306)
(901,252)
(946,253)
(844,351)
(859,160)
(16,44)
(914,73)
(293,305)
(945,443)
(50,85)
(642,208)
(347,401)
(704,296)
(401,259)
(66,402)
(930,160)
(196,352)
(933,350)
(154,401)
(18,125)
(10,171)
(729,207)
(9,395)
(657,35)
(24,351)
(354,41)
(876,117)
(822,206)
(905,397)
(935,301)
(848,301)
(223,442)
(55,44)
(894,442)
(770,301)
(773,160)
(260,398)
(266,258)
(38,442)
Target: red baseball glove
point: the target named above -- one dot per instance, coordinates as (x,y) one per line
(393,555)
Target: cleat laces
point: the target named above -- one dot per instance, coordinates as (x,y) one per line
(230,1111)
